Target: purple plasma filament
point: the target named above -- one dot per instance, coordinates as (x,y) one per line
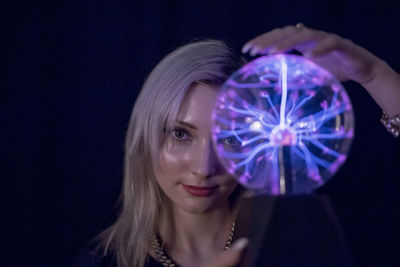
(276,102)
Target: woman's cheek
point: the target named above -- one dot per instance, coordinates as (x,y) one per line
(174,159)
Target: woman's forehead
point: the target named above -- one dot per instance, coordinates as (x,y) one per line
(198,105)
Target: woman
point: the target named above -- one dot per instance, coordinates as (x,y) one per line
(178,202)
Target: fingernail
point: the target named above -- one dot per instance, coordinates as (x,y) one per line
(241,243)
(254,51)
(245,48)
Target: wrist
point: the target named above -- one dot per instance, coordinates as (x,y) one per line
(384,87)
(378,72)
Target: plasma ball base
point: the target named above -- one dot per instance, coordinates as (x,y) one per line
(276,102)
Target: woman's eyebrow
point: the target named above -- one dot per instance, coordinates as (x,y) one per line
(187,124)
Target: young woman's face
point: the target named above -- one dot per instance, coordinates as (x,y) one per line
(189,172)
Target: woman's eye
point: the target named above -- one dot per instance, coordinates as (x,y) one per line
(180,134)
(231,140)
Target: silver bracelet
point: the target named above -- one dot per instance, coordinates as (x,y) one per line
(391,124)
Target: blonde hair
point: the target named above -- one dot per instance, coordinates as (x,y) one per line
(207,61)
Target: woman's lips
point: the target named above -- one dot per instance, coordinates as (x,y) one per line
(199,191)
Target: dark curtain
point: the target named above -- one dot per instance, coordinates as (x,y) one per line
(72,71)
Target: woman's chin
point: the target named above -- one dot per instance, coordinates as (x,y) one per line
(199,205)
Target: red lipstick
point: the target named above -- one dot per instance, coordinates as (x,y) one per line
(199,191)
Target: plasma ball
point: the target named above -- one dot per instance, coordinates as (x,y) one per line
(282,116)
(283,136)
(255,126)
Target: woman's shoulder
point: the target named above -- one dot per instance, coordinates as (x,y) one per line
(93,255)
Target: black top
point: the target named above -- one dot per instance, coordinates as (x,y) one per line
(92,257)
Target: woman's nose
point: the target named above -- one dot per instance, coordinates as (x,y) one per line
(205,161)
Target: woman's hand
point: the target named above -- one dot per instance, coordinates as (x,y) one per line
(346,60)
(343,58)
(231,257)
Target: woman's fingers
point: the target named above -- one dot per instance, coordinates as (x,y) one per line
(302,40)
(263,42)
(326,45)
(308,41)
(231,257)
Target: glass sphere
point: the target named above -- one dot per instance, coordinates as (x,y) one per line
(282,125)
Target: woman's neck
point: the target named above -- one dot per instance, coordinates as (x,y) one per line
(191,239)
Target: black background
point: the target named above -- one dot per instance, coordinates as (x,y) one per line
(72,70)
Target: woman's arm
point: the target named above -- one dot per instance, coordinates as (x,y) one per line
(346,60)
(385,88)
